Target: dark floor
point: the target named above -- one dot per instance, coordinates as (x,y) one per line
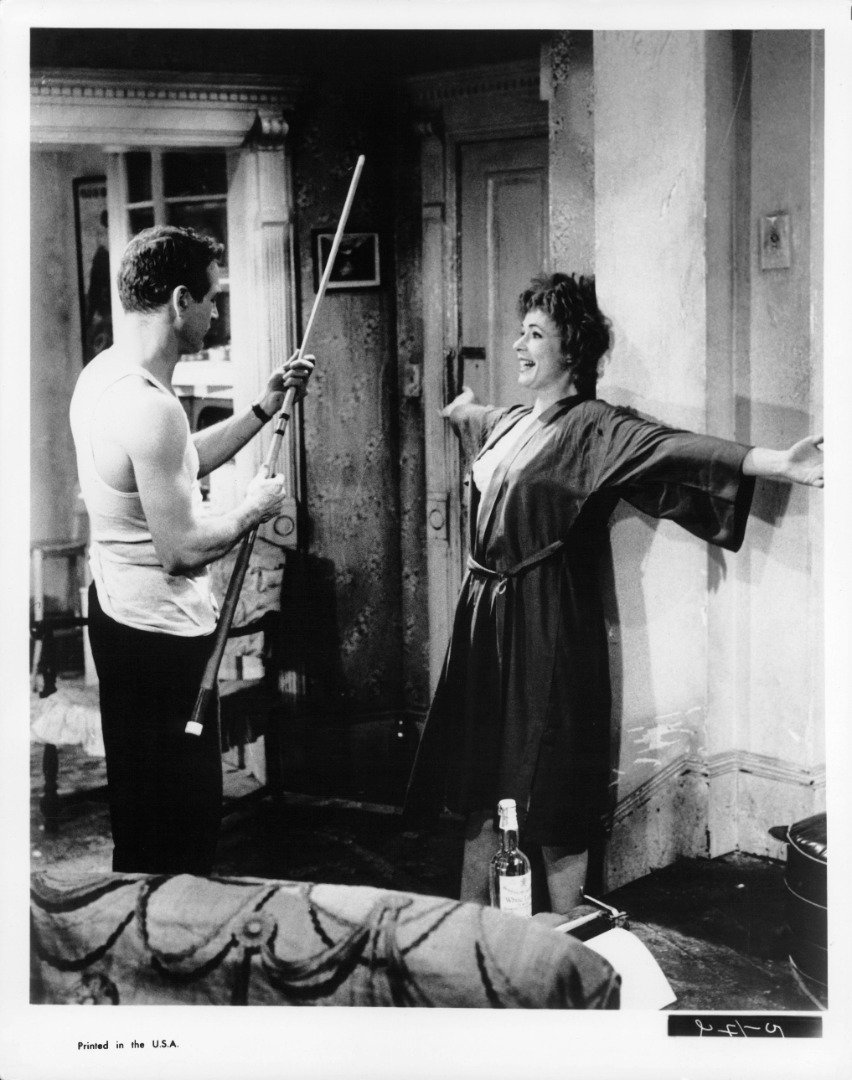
(716,928)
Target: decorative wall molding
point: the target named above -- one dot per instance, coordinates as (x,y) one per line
(120,109)
(730,761)
(517,77)
(497,99)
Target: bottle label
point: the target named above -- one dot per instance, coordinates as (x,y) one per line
(515,894)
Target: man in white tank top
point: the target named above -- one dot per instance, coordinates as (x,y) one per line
(152,614)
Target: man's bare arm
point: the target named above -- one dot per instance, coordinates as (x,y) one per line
(220,442)
(184,537)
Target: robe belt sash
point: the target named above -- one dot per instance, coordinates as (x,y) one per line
(505,578)
(503,599)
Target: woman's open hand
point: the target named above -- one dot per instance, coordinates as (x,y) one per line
(466,397)
(804,462)
(801,464)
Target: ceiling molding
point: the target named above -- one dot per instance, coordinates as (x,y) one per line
(478,101)
(514,77)
(122,109)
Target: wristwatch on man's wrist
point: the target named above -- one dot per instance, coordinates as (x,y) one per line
(263,416)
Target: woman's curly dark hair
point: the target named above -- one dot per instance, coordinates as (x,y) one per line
(572,303)
(158,260)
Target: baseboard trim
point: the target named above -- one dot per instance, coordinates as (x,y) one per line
(722,764)
(766,767)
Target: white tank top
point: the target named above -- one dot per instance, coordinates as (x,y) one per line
(132,586)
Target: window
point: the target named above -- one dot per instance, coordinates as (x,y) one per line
(183,188)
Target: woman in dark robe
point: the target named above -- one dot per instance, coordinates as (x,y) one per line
(522,705)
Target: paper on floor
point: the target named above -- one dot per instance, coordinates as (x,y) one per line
(643,984)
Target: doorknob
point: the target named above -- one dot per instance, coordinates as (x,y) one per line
(437,516)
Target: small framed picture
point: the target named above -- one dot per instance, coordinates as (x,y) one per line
(356,265)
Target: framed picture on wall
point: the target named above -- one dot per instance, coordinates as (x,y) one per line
(93,276)
(357,262)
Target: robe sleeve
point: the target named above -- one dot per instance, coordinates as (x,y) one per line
(694,480)
(473,424)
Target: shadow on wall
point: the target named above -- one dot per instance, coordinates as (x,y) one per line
(656,717)
(311,639)
(610,597)
(326,747)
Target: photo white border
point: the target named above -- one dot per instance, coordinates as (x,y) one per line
(40,1041)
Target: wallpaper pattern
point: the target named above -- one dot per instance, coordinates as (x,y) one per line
(363,449)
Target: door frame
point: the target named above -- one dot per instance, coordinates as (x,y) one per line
(499,101)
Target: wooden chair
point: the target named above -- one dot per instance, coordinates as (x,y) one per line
(250,706)
(61,714)
(72,549)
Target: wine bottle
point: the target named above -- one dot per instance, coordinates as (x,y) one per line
(510,876)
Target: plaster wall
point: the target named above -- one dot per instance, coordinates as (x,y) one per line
(716,658)
(649,137)
(779,396)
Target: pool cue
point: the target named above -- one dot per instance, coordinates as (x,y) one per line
(207,690)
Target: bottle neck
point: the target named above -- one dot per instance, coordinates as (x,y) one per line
(509,838)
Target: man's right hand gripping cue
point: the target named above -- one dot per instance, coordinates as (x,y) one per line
(265,496)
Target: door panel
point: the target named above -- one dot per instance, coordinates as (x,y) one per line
(493,233)
(503,243)
(503,237)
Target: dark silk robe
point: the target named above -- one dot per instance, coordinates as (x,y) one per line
(523,701)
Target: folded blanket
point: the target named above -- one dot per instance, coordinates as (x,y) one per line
(141,939)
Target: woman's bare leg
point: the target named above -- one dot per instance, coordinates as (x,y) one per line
(480,843)
(566,877)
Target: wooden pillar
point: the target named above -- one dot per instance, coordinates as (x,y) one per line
(263,331)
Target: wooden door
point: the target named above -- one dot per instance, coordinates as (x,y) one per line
(503,243)
(496,235)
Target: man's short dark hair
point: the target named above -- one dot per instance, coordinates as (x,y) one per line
(585,331)
(158,260)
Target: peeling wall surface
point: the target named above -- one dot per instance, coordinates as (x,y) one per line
(572,152)
(412,492)
(351,422)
